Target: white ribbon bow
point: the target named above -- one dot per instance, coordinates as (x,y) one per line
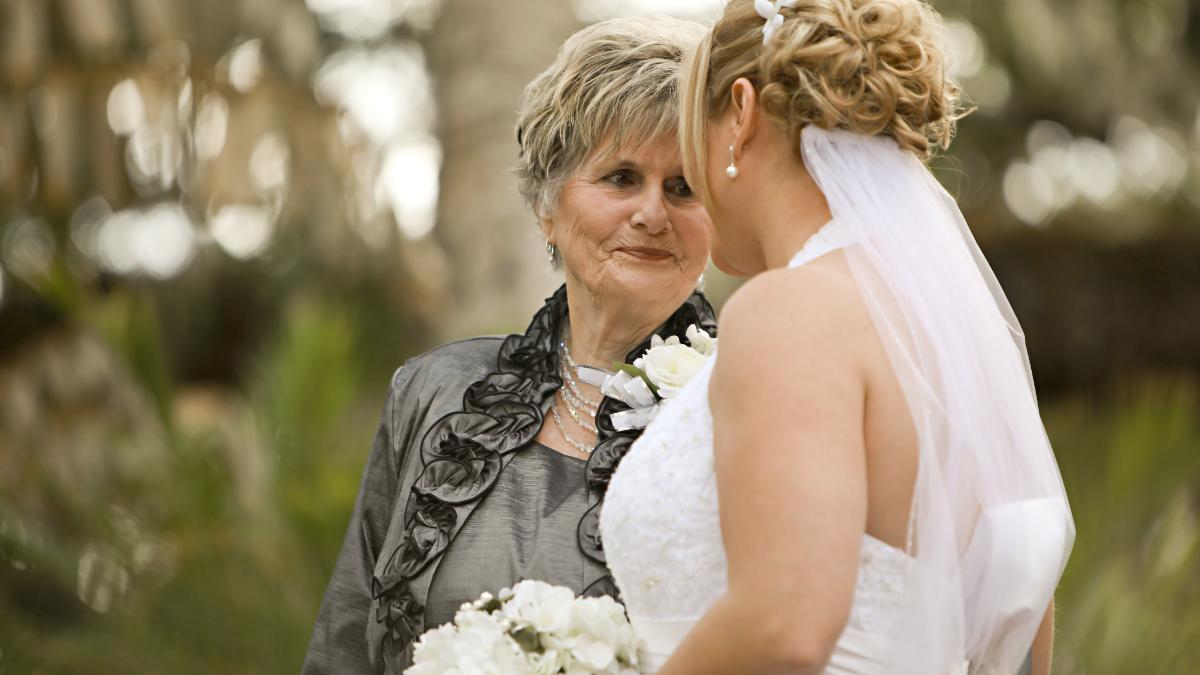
(632,391)
(770,11)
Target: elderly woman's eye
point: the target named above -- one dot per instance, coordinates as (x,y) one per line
(621,178)
(679,187)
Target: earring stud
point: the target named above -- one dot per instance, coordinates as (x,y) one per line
(731,170)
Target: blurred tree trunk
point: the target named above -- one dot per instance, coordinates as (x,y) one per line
(482,54)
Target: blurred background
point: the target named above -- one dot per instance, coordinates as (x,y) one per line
(224,223)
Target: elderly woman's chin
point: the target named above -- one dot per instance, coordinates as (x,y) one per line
(651,274)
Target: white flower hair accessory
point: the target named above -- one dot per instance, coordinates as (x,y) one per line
(770,11)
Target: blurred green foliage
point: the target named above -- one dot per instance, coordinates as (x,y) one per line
(1130,601)
(215,558)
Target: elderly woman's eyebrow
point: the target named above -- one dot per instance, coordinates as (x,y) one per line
(620,163)
(606,165)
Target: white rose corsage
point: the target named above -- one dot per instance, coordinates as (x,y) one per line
(533,629)
(657,375)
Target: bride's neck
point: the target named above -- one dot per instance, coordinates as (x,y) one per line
(789,212)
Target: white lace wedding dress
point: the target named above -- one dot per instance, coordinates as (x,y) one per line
(662,533)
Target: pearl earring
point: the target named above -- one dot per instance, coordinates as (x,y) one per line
(731,170)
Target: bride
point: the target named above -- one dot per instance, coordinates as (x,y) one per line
(859,482)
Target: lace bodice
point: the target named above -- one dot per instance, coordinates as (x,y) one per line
(662,532)
(660,524)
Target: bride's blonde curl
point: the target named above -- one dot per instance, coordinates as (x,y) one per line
(874,67)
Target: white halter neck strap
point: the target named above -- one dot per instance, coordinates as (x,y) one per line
(830,237)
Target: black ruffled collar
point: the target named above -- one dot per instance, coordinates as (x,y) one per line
(463,455)
(615,444)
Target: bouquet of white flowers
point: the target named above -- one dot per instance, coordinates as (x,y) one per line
(533,629)
(655,376)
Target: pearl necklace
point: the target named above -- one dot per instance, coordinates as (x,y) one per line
(582,410)
(562,430)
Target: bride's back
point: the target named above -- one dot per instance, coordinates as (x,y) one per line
(889,438)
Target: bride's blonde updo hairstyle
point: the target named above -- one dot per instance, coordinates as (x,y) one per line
(873,67)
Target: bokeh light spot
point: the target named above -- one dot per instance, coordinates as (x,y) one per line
(242,230)
(385,92)
(409,185)
(269,162)
(1029,193)
(28,249)
(164,243)
(212,124)
(1094,171)
(126,110)
(159,242)
(102,580)
(245,65)
(966,51)
(990,88)
(591,11)
(86,222)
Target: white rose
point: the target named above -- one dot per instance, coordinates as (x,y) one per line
(701,341)
(593,637)
(671,365)
(595,656)
(475,643)
(551,662)
(435,652)
(600,639)
(626,642)
(658,341)
(545,607)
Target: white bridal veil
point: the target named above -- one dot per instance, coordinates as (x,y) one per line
(991,528)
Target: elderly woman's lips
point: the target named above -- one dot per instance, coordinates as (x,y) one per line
(652,254)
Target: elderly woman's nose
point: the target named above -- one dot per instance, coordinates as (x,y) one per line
(651,211)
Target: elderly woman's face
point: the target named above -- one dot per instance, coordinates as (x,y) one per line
(627,225)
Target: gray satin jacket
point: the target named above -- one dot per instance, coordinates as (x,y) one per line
(349,631)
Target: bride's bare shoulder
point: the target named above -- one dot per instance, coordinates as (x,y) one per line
(817,301)
(800,335)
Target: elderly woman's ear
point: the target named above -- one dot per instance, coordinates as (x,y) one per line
(553,255)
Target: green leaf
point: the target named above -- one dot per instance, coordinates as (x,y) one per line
(527,639)
(634,371)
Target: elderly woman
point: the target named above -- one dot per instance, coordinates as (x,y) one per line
(493,454)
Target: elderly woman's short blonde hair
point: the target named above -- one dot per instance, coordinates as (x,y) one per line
(613,82)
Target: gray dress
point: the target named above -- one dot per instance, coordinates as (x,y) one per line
(523,529)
